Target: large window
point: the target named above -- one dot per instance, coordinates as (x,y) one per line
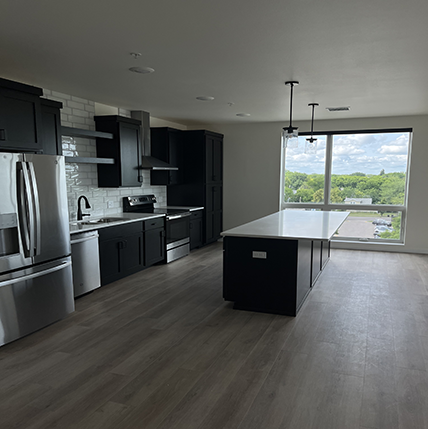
(364,173)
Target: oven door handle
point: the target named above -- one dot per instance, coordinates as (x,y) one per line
(178,216)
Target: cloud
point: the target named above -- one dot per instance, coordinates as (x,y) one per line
(397,146)
(347,150)
(392,149)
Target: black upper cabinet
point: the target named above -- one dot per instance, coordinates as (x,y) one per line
(20,117)
(203,156)
(125,148)
(51,126)
(166,145)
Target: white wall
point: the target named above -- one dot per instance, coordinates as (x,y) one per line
(252,167)
(156,122)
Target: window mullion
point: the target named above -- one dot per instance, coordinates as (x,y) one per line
(327,173)
(282,181)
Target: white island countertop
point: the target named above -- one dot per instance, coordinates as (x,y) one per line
(292,225)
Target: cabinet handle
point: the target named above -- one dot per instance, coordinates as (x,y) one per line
(3,134)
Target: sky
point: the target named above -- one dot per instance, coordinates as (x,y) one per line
(364,153)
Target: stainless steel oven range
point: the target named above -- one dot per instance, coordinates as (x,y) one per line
(177,223)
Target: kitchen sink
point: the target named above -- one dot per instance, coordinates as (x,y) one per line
(100,220)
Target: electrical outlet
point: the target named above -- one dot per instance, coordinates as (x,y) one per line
(110,204)
(259,255)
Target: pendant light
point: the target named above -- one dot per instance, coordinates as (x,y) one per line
(311,144)
(290,134)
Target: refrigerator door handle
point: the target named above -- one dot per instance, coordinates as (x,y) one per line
(36,207)
(26,211)
(35,275)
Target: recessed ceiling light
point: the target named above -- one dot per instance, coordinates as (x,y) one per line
(243,114)
(338,109)
(142,70)
(205,98)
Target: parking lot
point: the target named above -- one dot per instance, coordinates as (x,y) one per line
(359,226)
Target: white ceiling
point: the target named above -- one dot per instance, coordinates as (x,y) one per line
(369,54)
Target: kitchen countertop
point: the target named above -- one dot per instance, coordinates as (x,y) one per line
(78,226)
(191,209)
(292,224)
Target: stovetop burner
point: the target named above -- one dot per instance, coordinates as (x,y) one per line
(145,204)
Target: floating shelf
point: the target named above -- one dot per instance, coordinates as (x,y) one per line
(83,160)
(88,134)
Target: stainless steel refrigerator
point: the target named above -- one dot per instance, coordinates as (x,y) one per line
(36,287)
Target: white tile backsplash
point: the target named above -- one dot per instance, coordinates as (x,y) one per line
(82,178)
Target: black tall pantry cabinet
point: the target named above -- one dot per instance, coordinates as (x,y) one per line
(202,179)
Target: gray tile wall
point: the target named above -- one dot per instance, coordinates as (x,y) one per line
(82,178)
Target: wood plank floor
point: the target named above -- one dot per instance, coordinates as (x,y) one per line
(162,350)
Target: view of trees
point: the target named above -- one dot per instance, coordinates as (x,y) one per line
(384,188)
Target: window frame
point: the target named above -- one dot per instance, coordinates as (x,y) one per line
(327,206)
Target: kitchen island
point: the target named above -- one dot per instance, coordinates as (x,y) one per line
(271,264)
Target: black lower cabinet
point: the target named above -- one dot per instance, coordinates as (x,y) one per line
(132,253)
(316,260)
(196,229)
(269,275)
(154,241)
(110,259)
(121,251)
(325,253)
(127,249)
(213,226)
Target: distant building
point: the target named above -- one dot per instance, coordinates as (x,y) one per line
(358,200)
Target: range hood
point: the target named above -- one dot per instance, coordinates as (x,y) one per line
(148,162)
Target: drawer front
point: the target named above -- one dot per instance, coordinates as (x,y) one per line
(120,230)
(196,215)
(154,223)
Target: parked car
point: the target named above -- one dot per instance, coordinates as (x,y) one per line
(382,222)
(382,228)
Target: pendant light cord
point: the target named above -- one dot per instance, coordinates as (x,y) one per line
(312,121)
(291,83)
(291,104)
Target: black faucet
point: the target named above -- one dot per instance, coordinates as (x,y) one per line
(79,210)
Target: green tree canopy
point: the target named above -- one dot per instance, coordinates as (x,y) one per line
(384,188)
(294,180)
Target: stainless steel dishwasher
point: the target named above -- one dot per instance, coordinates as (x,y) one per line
(86,262)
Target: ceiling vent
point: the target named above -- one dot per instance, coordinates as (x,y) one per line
(338,109)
